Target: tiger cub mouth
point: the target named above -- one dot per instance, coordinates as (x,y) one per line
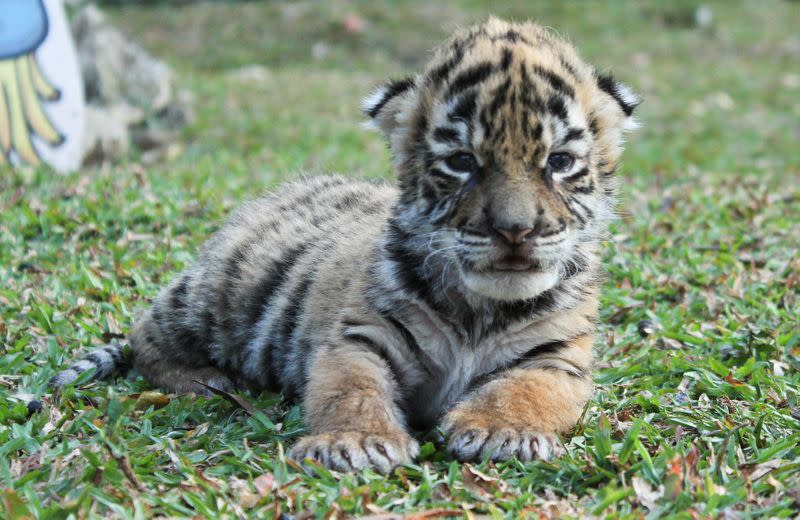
(514,263)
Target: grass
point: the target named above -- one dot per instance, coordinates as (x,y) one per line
(699,419)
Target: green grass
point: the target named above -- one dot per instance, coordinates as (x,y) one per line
(699,419)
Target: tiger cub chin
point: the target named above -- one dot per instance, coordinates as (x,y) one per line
(464,296)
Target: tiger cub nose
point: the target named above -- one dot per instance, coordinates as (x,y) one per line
(514,236)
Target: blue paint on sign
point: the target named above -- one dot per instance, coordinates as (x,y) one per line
(23,26)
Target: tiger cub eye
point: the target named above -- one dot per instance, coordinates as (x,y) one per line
(560,162)
(462,162)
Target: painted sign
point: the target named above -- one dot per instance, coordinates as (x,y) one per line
(41,92)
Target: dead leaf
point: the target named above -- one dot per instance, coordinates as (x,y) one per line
(645,493)
(148,399)
(434,513)
(733,381)
(264,483)
(248,499)
(666,343)
(756,471)
(234,399)
(480,483)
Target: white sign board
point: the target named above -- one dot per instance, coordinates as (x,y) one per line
(41,92)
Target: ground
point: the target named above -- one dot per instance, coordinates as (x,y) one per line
(700,418)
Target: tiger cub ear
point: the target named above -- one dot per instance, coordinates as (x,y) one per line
(386,103)
(622,94)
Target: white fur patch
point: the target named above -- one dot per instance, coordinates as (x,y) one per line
(369,103)
(510,286)
(627,95)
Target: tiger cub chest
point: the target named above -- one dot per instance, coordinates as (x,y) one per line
(447,367)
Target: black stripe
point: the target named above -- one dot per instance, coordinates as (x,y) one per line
(407,262)
(188,340)
(511,312)
(574,267)
(95,359)
(276,275)
(314,191)
(429,193)
(209,325)
(446,135)
(442,71)
(470,77)
(555,81)
(122,363)
(408,265)
(378,349)
(547,348)
(150,339)
(113,350)
(349,200)
(589,188)
(568,67)
(233,266)
(609,172)
(583,172)
(594,125)
(280,346)
(465,108)
(589,212)
(577,215)
(500,97)
(158,318)
(533,131)
(443,186)
(486,123)
(392,89)
(303,356)
(572,135)
(177,299)
(532,101)
(609,85)
(511,36)
(443,209)
(424,360)
(557,106)
(505,62)
(348,323)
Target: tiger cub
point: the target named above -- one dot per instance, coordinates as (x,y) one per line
(464,296)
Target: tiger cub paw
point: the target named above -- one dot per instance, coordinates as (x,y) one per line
(353,451)
(471,441)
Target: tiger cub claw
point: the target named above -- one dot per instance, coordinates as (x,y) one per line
(474,443)
(353,451)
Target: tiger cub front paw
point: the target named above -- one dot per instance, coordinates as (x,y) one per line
(352,451)
(471,440)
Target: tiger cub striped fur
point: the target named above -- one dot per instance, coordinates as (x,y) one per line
(464,296)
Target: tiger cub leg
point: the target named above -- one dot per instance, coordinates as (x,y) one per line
(351,414)
(521,412)
(171,357)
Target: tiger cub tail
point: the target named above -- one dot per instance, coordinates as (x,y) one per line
(105,361)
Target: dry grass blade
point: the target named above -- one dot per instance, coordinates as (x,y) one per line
(234,399)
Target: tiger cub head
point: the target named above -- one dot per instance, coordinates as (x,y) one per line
(505,149)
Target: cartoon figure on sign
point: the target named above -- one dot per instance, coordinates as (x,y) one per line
(29,126)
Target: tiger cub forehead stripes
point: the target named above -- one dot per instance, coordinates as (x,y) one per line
(510,94)
(464,296)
